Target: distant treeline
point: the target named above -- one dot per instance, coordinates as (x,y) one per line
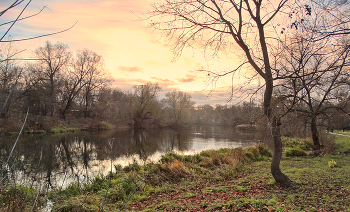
(62,89)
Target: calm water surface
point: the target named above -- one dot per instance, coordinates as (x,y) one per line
(63,158)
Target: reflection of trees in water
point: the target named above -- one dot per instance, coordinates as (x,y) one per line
(144,143)
(79,153)
(179,139)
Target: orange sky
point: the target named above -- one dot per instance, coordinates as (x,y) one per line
(133,53)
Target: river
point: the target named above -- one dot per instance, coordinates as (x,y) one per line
(58,159)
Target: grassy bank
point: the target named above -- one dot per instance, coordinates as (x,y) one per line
(223,180)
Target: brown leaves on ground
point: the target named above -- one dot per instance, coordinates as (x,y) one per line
(252,191)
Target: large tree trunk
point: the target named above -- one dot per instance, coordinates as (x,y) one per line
(315,138)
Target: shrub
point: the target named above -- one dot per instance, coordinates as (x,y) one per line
(12,197)
(206,162)
(298,143)
(96,183)
(239,154)
(254,151)
(169,157)
(264,150)
(332,164)
(132,167)
(250,156)
(175,168)
(295,152)
(215,158)
(205,153)
(328,143)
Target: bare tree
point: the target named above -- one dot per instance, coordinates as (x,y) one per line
(313,73)
(12,13)
(10,75)
(53,59)
(180,105)
(95,78)
(328,18)
(76,77)
(217,24)
(144,104)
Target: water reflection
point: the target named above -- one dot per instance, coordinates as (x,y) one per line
(80,156)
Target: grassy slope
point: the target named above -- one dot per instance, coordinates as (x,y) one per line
(214,180)
(318,188)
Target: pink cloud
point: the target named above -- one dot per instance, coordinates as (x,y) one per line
(188,78)
(130,69)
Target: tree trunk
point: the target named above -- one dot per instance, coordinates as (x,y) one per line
(65,109)
(276,136)
(315,138)
(52,97)
(277,155)
(138,122)
(86,103)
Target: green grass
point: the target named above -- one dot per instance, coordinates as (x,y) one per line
(347,132)
(222,180)
(343,142)
(234,180)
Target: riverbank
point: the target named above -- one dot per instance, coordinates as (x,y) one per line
(43,125)
(223,180)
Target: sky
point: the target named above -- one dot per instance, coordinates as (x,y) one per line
(133,53)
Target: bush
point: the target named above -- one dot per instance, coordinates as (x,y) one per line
(328,143)
(132,167)
(175,168)
(169,157)
(295,152)
(264,150)
(298,143)
(332,164)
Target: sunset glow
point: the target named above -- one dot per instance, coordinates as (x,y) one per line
(133,53)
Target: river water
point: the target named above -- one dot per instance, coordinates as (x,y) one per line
(59,159)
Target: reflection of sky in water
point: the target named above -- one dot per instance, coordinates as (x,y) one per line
(196,145)
(201,144)
(67,151)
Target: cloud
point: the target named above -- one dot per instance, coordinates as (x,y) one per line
(162,80)
(130,69)
(164,83)
(187,78)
